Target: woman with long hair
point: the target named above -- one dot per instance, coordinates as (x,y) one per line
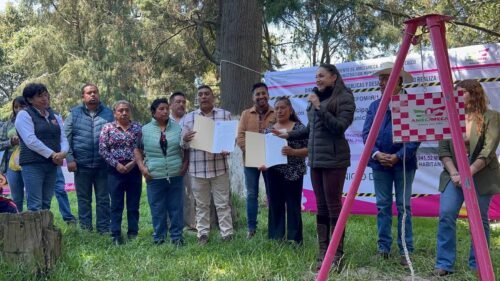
(9,142)
(330,112)
(285,181)
(481,141)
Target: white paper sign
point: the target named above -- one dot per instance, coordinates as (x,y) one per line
(264,150)
(214,136)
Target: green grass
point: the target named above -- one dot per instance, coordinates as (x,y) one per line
(90,256)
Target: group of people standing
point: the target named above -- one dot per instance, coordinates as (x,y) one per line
(330,112)
(394,166)
(99,146)
(110,153)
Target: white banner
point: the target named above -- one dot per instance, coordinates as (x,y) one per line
(474,62)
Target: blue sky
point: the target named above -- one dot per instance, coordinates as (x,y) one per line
(3,3)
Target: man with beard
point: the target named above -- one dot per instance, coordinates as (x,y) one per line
(255,119)
(82,128)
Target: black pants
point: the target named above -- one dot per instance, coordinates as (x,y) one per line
(119,186)
(284,206)
(327,185)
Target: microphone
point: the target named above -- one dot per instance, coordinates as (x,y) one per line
(314,91)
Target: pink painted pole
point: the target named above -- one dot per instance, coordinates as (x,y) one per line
(370,142)
(437,31)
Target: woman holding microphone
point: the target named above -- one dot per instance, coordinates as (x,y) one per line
(330,112)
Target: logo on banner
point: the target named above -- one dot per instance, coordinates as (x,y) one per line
(423,117)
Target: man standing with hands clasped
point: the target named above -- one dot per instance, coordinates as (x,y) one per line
(387,165)
(82,128)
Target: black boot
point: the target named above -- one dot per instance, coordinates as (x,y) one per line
(323,230)
(339,254)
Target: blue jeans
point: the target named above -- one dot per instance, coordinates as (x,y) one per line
(39,179)
(384,181)
(16,185)
(62,197)
(86,180)
(449,206)
(252,176)
(165,197)
(121,185)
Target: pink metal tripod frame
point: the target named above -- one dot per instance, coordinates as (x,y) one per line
(436,25)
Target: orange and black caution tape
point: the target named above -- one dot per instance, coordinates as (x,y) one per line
(367,194)
(364,90)
(416,85)
(406,86)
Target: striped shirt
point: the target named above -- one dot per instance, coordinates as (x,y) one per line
(204,164)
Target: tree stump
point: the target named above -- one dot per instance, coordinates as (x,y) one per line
(30,241)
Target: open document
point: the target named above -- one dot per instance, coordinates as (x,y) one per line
(263,150)
(214,136)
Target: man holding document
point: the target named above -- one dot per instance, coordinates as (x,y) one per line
(209,171)
(255,119)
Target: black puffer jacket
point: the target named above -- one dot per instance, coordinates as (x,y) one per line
(328,147)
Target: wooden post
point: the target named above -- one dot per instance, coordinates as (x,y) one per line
(30,241)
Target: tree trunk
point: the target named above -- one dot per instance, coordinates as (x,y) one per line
(240,52)
(30,240)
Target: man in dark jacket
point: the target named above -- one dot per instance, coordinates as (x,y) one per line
(82,128)
(387,165)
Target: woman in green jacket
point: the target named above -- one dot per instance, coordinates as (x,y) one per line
(159,157)
(481,140)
